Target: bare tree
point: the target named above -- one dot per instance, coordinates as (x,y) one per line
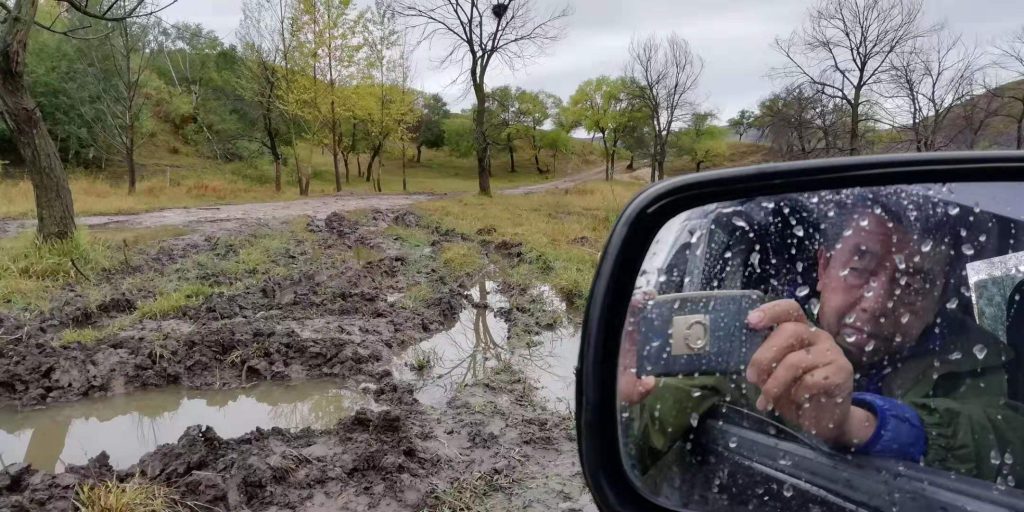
(1009,56)
(261,76)
(664,75)
(54,207)
(478,34)
(928,79)
(973,115)
(846,46)
(124,55)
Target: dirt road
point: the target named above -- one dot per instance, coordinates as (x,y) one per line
(230,217)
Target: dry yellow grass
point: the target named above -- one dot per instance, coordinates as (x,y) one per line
(171,181)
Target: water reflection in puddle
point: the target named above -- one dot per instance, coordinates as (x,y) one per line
(129,426)
(478,343)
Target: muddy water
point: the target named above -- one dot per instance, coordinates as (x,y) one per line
(478,343)
(129,426)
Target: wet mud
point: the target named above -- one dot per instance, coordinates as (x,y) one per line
(497,442)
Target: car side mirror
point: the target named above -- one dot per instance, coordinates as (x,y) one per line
(830,334)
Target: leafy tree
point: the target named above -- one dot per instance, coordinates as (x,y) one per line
(742,123)
(537,109)
(702,142)
(458,136)
(558,142)
(429,130)
(507,119)
(599,105)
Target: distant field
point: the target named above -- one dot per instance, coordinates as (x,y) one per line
(176,178)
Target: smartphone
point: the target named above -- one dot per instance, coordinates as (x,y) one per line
(698,333)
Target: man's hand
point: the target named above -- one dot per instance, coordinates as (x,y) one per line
(633,390)
(803,374)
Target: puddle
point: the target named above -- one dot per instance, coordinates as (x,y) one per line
(131,425)
(478,343)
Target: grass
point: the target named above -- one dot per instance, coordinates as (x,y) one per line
(170,180)
(417,296)
(470,494)
(562,231)
(422,360)
(135,495)
(169,304)
(462,261)
(30,270)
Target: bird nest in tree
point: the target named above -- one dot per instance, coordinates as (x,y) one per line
(499,10)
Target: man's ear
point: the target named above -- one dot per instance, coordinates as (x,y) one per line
(823,261)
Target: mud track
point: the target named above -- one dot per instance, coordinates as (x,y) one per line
(494,447)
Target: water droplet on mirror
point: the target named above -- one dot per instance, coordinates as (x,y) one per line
(982,237)
(956,355)
(694,418)
(740,222)
(926,245)
(849,337)
(803,290)
(863,222)
(980,351)
(733,442)
(850,318)
(728,254)
(952,303)
(787,490)
(901,262)
(695,393)
(870,346)
(1011,481)
(953,209)
(869,292)
(815,305)
(968,249)
(1008,457)
(904,318)
(994,457)
(798,230)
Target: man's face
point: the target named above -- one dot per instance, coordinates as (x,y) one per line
(879,288)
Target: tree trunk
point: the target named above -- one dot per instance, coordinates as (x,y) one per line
(359,165)
(369,165)
(855,125)
(344,160)
(483,157)
(1020,133)
(277,175)
(405,185)
(612,175)
(55,211)
(511,153)
(632,162)
(607,156)
(129,159)
(419,153)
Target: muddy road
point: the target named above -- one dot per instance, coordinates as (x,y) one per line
(237,217)
(339,338)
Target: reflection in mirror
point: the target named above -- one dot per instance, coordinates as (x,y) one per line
(802,349)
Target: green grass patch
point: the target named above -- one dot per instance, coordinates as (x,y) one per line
(30,270)
(364,255)
(417,296)
(462,260)
(562,231)
(415,238)
(169,304)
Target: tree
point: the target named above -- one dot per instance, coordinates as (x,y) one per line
(558,142)
(429,130)
(327,49)
(599,104)
(479,34)
(799,122)
(458,136)
(261,77)
(124,54)
(55,211)
(845,48)
(663,75)
(508,119)
(742,123)
(1009,56)
(702,142)
(928,79)
(538,107)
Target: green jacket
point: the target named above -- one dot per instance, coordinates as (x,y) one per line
(960,397)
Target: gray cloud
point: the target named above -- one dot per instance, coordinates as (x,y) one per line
(733,36)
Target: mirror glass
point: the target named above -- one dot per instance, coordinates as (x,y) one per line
(831,347)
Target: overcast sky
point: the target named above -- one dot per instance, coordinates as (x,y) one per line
(733,36)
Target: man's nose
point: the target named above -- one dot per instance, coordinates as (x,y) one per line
(876,300)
